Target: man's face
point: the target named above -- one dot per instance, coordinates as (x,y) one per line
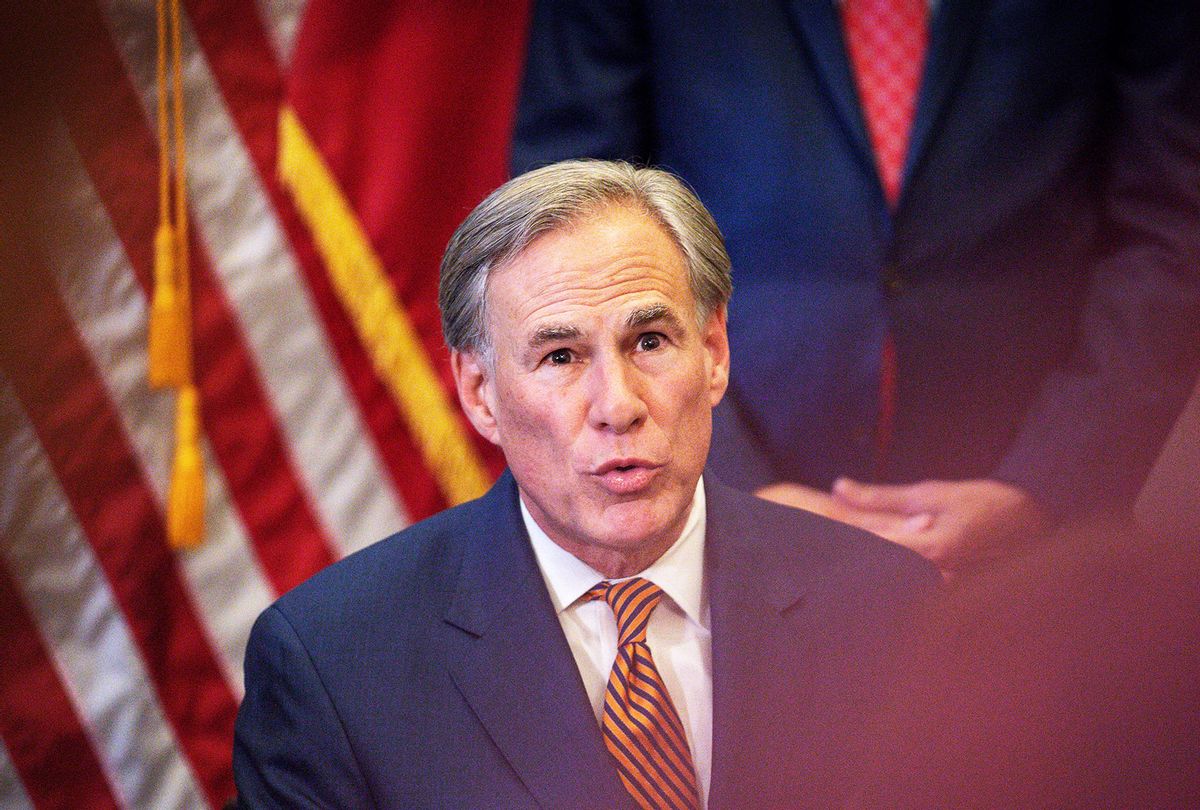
(603,386)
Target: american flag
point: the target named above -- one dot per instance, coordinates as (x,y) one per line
(331,148)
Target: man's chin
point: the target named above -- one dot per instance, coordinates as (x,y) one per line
(638,524)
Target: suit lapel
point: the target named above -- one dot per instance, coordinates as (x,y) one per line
(516,669)
(757,614)
(818,27)
(952,33)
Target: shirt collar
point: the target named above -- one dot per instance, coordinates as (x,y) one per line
(679,571)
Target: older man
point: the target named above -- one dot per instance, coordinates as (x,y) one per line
(604,627)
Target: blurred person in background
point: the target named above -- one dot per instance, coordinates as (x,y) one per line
(966,238)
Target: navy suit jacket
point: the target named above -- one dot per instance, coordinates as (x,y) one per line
(431,669)
(1040,275)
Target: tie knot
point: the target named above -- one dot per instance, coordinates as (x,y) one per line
(631,601)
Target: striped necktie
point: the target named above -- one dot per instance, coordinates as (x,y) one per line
(641,728)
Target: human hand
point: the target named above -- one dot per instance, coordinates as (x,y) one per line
(951,523)
(882,523)
(799,496)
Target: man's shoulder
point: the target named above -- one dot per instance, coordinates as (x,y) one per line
(413,571)
(777,538)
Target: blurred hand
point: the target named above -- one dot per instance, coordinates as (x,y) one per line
(882,523)
(951,523)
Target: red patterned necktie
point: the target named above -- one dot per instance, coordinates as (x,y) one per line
(886,40)
(641,728)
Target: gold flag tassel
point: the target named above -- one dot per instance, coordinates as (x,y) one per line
(170,332)
(168,319)
(185,504)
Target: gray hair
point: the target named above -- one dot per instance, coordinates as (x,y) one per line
(555,197)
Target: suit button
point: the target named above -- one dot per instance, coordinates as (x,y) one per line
(893,282)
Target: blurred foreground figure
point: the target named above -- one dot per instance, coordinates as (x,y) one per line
(1169,504)
(605,627)
(1067,677)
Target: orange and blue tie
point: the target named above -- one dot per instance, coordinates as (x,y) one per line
(640,725)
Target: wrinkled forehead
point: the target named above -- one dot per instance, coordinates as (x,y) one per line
(615,256)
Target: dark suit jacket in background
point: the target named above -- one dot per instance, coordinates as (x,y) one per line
(431,670)
(1041,274)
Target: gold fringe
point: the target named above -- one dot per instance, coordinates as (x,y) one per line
(382,324)
(185,502)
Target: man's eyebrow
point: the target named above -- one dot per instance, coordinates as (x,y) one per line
(553,333)
(652,314)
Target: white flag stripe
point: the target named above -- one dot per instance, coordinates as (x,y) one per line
(98,286)
(332,450)
(69,597)
(12,792)
(282,19)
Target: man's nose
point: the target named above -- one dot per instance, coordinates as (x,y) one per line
(617,401)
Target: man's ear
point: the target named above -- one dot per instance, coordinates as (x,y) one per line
(716,359)
(476,392)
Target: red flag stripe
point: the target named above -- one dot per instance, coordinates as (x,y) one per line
(244,64)
(287,536)
(452,153)
(70,600)
(64,399)
(86,259)
(432,156)
(316,414)
(48,745)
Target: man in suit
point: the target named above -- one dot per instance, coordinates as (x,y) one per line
(966,236)
(605,627)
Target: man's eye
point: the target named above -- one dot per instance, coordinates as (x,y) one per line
(559,357)
(649,342)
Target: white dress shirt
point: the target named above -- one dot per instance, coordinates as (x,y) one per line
(678,635)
